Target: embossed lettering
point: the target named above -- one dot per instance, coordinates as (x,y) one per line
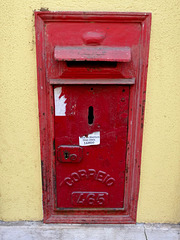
(89,198)
(110,181)
(82,173)
(80,199)
(101,198)
(100,176)
(68,181)
(91,173)
(75,176)
(107,176)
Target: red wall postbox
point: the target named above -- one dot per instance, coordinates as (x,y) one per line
(92,71)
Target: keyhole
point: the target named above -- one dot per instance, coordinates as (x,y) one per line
(90,115)
(66,155)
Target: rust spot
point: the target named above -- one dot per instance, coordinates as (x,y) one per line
(142,111)
(54,178)
(52,110)
(54,146)
(43,9)
(42,167)
(141,125)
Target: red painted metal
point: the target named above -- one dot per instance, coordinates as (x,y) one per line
(93,37)
(102,168)
(110,54)
(102,186)
(69,154)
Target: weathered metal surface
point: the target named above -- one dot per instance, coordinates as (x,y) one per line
(86,199)
(93,38)
(69,154)
(103,186)
(119,81)
(93,53)
(102,168)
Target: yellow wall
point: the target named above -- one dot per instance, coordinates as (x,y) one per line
(20,178)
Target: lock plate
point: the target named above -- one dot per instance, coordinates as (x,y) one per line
(69,154)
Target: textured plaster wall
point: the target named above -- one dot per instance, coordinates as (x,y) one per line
(20,178)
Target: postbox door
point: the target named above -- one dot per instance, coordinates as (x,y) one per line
(91,124)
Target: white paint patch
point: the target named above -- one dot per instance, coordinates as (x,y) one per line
(60,105)
(91,139)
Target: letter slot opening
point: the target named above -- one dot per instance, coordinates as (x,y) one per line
(91,64)
(90,115)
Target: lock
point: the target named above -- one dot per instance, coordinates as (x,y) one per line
(69,154)
(92,70)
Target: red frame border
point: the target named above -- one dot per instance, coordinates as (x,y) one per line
(135,128)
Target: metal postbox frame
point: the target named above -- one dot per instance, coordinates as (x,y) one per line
(135,123)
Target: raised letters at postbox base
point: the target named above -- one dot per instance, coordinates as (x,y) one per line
(89,174)
(95,199)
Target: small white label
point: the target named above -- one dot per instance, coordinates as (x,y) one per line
(89,140)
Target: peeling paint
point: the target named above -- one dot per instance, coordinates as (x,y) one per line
(60,102)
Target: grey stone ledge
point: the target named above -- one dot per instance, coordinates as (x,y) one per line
(38,230)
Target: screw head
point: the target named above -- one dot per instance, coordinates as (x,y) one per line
(73,157)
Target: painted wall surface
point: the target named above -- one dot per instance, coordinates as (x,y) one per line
(20,178)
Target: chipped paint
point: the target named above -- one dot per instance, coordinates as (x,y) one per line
(60,102)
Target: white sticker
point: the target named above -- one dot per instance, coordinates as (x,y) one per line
(91,139)
(59,101)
